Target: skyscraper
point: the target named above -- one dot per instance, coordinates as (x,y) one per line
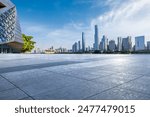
(83,42)
(10,31)
(119,45)
(101,46)
(127,44)
(139,43)
(79,46)
(112,45)
(76,47)
(104,43)
(96,38)
(148,45)
(73,48)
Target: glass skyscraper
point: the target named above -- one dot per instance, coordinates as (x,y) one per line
(96,38)
(119,45)
(104,43)
(127,44)
(83,42)
(10,31)
(139,43)
(112,45)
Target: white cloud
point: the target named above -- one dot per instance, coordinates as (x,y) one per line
(130,18)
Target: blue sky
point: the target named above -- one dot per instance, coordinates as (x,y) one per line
(57,13)
(61,22)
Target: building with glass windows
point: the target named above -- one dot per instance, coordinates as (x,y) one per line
(10,31)
(148,45)
(96,38)
(127,44)
(112,45)
(119,45)
(139,43)
(104,44)
(83,42)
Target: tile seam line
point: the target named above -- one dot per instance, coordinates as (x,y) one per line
(112,88)
(17,87)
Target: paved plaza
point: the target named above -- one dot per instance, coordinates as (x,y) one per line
(74,77)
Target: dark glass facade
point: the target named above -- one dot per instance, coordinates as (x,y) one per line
(10,31)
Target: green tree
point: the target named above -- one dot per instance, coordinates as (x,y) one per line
(28,43)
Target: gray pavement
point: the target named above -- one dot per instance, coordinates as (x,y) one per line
(74,77)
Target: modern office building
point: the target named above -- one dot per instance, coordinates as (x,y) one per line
(139,43)
(148,45)
(101,46)
(10,31)
(75,47)
(96,38)
(112,46)
(119,44)
(104,43)
(127,44)
(83,42)
(72,48)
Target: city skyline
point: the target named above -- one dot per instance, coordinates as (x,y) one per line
(105,45)
(57,21)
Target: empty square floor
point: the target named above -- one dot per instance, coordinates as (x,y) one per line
(74,77)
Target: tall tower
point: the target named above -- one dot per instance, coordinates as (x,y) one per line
(96,44)
(83,42)
(119,45)
(79,46)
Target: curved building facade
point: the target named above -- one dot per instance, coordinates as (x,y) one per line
(10,31)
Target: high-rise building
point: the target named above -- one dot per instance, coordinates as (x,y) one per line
(104,43)
(148,45)
(139,43)
(76,47)
(73,48)
(79,46)
(101,46)
(96,38)
(112,46)
(127,44)
(119,45)
(10,31)
(83,42)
